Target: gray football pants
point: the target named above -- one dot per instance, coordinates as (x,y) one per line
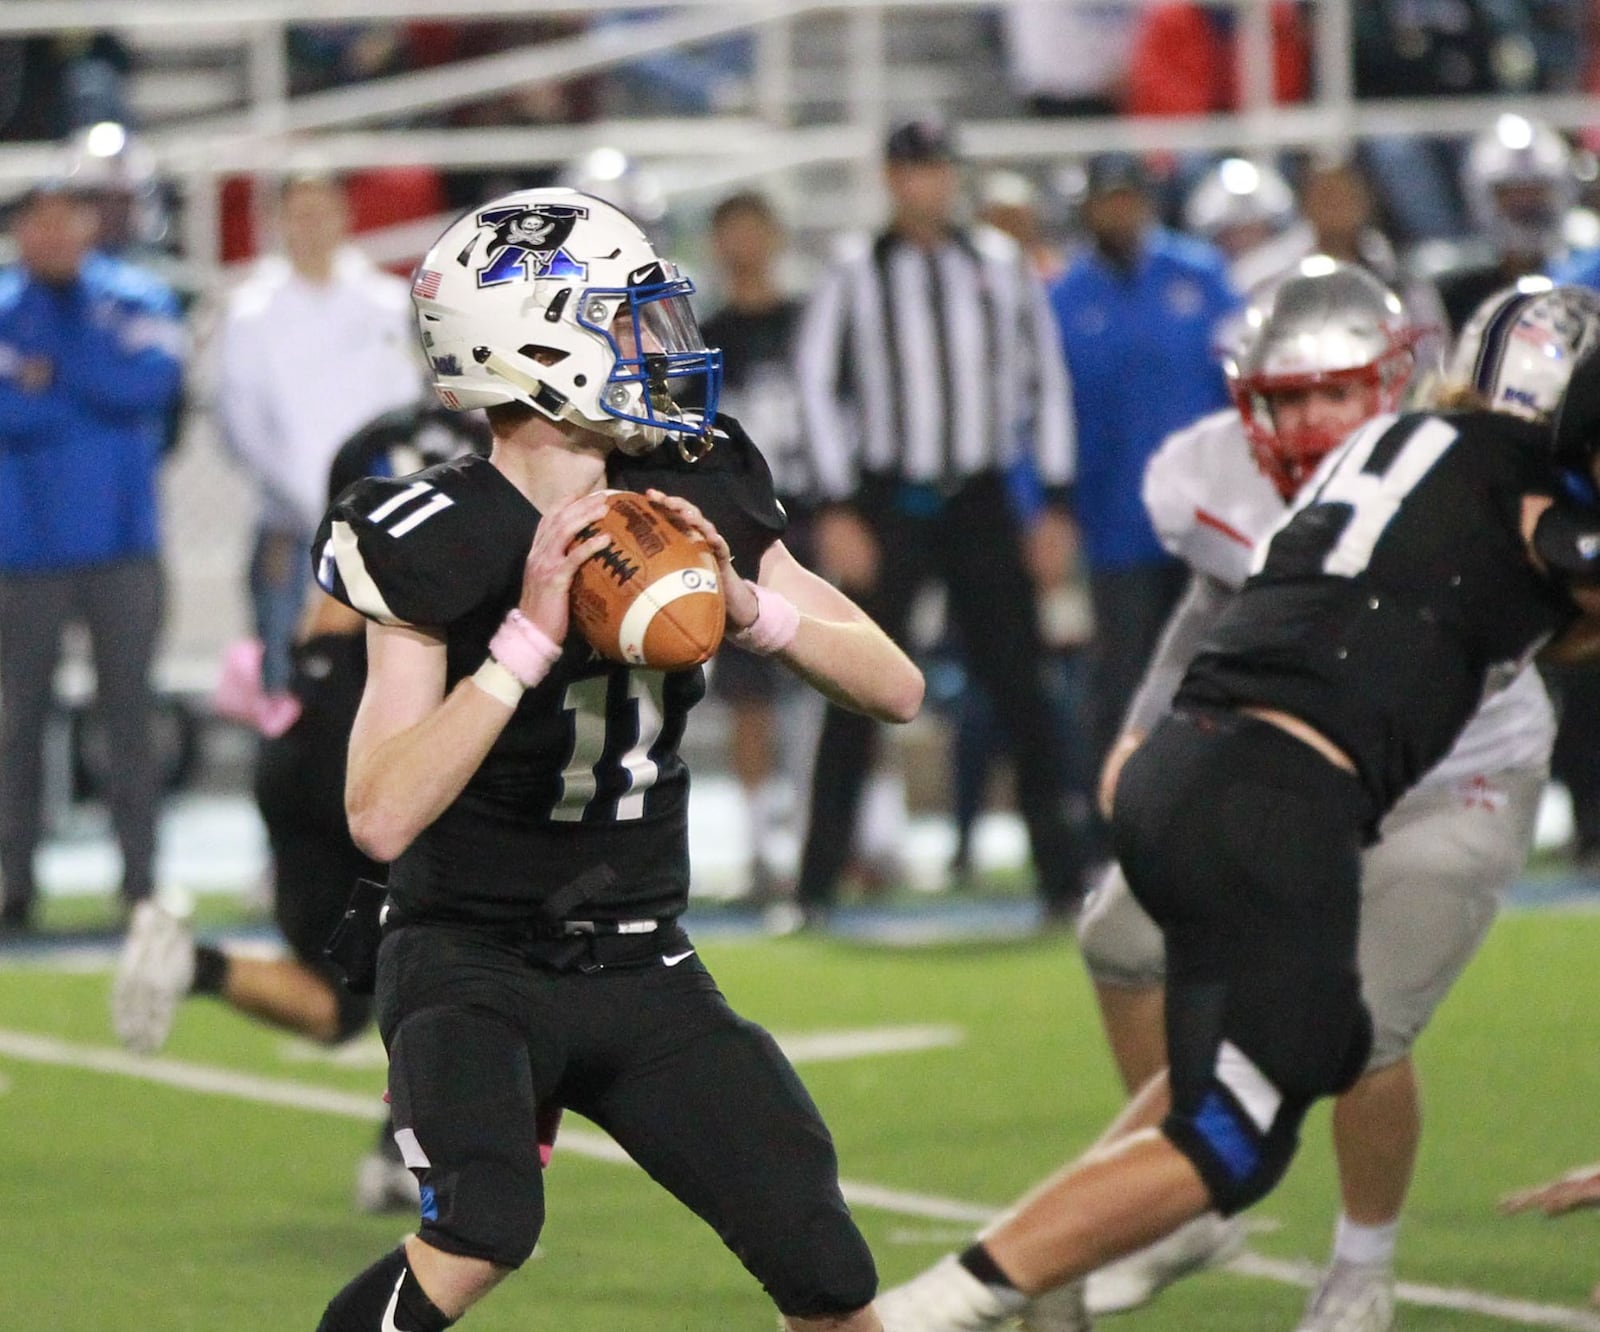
(1430,889)
(120,604)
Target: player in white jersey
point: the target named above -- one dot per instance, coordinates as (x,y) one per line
(1326,349)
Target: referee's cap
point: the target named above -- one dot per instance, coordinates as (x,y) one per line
(927,139)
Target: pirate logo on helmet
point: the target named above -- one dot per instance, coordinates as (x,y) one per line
(526,243)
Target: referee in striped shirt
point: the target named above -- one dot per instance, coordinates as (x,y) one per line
(929,365)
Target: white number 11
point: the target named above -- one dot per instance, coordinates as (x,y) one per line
(585,702)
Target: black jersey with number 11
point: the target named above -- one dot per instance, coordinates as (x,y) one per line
(579,809)
(1395,592)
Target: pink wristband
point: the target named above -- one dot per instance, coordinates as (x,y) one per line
(777,620)
(524,649)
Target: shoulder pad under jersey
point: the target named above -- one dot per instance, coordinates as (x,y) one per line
(428,548)
(731,484)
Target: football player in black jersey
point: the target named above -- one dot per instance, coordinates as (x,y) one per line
(299,788)
(530,796)
(1426,560)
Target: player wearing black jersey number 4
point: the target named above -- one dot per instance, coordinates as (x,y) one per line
(1425,561)
(531,796)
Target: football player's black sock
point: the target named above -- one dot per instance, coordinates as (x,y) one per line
(385,1295)
(210,970)
(978,1260)
(388,1148)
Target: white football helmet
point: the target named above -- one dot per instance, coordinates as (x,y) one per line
(556,299)
(1322,323)
(1238,196)
(1519,183)
(1520,346)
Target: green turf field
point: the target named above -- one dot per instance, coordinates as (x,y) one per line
(133,1203)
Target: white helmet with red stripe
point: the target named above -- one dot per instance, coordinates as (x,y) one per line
(1322,324)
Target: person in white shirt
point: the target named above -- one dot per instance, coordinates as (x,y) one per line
(1068,60)
(313,345)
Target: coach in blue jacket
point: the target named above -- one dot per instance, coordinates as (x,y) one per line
(1138,311)
(90,363)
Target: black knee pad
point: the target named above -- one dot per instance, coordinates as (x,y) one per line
(464,1112)
(1249,1056)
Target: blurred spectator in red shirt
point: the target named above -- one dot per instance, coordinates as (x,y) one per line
(1184,60)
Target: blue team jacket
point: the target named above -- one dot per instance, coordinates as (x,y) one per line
(1577,270)
(79,460)
(1141,347)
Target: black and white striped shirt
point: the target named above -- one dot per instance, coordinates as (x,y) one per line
(932,365)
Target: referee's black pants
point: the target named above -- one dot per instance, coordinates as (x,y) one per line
(972,544)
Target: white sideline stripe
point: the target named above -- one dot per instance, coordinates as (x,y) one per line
(301,1096)
(1430,1297)
(926,1206)
(821,1046)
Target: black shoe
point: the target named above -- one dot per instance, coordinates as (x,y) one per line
(15,923)
(960,877)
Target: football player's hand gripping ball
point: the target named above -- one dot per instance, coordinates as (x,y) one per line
(555,557)
(737,598)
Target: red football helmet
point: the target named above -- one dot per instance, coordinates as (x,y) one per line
(1323,325)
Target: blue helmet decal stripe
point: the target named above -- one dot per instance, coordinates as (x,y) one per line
(1492,348)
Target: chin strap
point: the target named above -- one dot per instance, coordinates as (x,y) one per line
(692,448)
(555,405)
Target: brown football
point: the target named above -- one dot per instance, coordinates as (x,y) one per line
(652,598)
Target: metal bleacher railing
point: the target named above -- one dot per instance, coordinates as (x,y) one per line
(788,131)
(827,77)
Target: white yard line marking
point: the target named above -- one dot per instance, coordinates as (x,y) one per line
(822,1046)
(212,1081)
(1430,1297)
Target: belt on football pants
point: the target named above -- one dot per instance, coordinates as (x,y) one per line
(595,945)
(567,928)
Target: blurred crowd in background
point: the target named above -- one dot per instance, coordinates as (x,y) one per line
(1141,260)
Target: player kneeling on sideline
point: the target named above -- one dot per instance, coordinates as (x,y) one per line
(1327,348)
(299,789)
(1430,556)
(532,798)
